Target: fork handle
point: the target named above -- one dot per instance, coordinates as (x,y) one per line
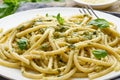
(113,13)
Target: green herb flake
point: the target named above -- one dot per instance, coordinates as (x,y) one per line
(99,53)
(45,46)
(95,33)
(62,29)
(46,14)
(59,75)
(60,19)
(87,35)
(71,46)
(22,43)
(54,16)
(20,28)
(78,23)
(42,30)
(100,23)
(38,20)
(58,70)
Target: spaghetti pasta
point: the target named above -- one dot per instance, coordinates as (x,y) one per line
(57,48)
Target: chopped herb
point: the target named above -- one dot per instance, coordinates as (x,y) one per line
(22,43)
(42,30)
(99,53)
(32,26)
(20,28)
(89,43)
(59,75)
(49,20)
(57,35)
(94,33)
(78,23)
(59,58)
(29,33)
(45,46)
(59,70)
(71,46)
(87,35)
(46,14)
(60,19)
(54,16)
(38,20)
(61,29)
(100,23)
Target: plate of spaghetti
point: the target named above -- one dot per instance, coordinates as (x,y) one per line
(59,44)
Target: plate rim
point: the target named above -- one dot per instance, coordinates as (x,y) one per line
(49,8)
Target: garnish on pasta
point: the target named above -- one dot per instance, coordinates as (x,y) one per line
(100,23)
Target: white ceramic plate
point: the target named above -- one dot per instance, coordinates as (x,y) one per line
(15,19)
(104,5)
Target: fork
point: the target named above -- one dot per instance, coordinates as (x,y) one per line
(87,9)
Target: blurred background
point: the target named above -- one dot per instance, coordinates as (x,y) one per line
(8,7)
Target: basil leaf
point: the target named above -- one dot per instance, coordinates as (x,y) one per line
(7,9)
(10,6)
(15,2)
(3,8)
(100,23)
(99,53)
(60,19)
(22,43)
(56,0)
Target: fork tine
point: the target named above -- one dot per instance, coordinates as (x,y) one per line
(90,8)
(80,11)
(83,8)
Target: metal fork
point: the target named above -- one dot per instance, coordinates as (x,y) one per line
(88,10)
